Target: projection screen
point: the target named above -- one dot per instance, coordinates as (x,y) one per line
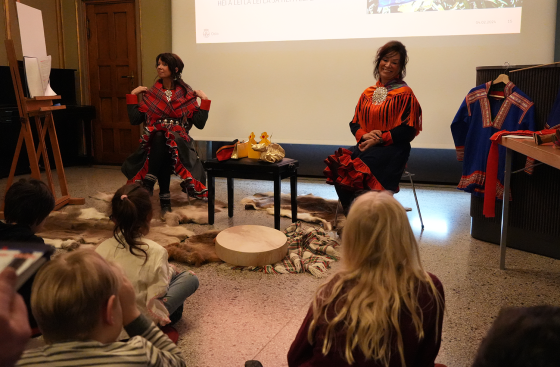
(305,91)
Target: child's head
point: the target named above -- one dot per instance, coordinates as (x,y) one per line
(131,210)
(72,292)
(522,337)
(377,234)
(28,202)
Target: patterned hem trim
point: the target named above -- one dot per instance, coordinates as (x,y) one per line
(474,183)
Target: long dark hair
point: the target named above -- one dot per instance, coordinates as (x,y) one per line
(173,62)
(389,48)
(131,210)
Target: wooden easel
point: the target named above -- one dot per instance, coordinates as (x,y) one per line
(37,108)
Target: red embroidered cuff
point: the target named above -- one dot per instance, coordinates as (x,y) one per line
(387,138)
(359,135)
(205,104)
(131,99)
(460,153)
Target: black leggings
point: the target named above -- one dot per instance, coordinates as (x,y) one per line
(160,161)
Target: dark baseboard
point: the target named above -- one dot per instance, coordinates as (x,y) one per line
(439,166)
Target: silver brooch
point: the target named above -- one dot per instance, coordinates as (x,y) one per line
(168,94)
(379,95)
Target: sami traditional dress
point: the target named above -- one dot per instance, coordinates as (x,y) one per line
(478,118)
(380,167)
(175,118)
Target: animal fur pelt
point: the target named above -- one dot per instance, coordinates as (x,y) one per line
(311,208)
(196,250)
(73,226)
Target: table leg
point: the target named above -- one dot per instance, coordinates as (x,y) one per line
(277,196)
(293,191)
(230,196)
(505,209)
(211,197)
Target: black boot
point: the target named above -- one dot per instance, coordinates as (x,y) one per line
(165,202)
(346,198)
(148,183)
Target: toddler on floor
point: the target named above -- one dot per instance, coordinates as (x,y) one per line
(160,289)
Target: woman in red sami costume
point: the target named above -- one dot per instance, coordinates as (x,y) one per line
(387,118)
(169,109)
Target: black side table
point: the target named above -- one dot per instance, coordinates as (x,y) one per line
(255,170)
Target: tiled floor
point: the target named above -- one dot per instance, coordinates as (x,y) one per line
(236,316)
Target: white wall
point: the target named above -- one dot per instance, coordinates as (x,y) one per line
(306,91)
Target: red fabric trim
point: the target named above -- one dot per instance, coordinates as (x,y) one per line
(460,153)
(387,138)
(353,175)
(205,104)
(530,165)
(492,170)
(359,135)
(131,99)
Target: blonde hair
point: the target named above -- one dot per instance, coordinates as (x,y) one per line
(70,292)
(381,278)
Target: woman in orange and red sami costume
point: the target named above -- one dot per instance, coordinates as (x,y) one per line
(387,118)
(169,109)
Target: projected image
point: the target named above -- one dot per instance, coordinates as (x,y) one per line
(221,21)
(417,6)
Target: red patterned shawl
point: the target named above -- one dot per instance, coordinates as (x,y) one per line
(155,104)
(390,113)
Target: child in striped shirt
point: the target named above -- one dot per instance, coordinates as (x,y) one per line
(81,302)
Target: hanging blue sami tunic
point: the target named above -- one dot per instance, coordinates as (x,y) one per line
(478,118)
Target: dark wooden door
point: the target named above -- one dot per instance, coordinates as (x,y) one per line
(111,33)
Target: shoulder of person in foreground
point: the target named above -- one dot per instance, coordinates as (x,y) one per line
(148,346)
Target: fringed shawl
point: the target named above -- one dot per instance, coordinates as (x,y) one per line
(400,106)
(155,105)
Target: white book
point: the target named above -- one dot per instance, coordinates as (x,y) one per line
(25,258)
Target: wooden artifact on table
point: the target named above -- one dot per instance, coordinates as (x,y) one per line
(548,138)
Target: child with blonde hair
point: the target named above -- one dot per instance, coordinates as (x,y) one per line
(382,309)
(81,302)
(160,289)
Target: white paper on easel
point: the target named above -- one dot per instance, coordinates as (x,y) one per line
(33,76)
(45,69)
(31,31)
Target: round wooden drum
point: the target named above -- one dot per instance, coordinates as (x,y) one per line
(251,245)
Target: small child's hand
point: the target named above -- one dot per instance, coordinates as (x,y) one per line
(127,296)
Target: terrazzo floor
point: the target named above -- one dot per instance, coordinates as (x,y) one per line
(238,315)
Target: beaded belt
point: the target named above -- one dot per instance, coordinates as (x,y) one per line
(168,122)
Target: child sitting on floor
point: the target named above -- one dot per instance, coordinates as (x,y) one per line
(27,205)
(81,303)
(383,309)
(160,289)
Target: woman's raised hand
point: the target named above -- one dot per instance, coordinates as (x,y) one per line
(136,91)
(200,94)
